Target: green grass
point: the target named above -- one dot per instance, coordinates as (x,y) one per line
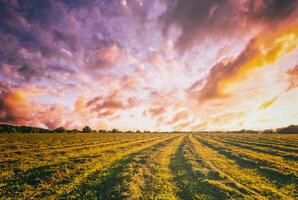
(148,166)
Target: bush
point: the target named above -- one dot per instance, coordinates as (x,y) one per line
(87,129)
(60,130)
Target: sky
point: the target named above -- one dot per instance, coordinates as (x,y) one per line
(158,65)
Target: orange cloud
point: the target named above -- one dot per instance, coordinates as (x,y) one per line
(16,107)
(105,106)
(80,103)
(178,116)
(294,71)
(266,48)
(200,127)
(293,78)
(129,82)
(182,126)
(156,111)
(101,125)
(53,117)
(267,104)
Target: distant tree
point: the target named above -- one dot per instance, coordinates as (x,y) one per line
(5,128)
(101,131)
(14,130)
(87,129)
(60,130)
(138,131)
(268,131)
(115,131)
(73,131)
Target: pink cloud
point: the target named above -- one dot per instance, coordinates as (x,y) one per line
(155,111)
(178,117)
(104,57)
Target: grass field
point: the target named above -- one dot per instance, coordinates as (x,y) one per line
(148,166)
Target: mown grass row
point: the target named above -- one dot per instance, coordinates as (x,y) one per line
(256,174)
(17,143)
(196,179)
(158,177)
(92,140)
(37,150)
(150,166)
(20,141)
(68,173)
(141,175)
(284,141)
(249,183)
(44,159)
(288,147)
(47,155)
(267,150)
(277,163)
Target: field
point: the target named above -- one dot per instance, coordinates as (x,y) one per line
(148,166)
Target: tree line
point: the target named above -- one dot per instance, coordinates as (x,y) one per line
(5,128)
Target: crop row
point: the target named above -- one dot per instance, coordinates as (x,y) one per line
(66,173)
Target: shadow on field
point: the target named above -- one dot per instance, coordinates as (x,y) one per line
(101,185)
(192,185)
(270,152)
(262,167)
(104,184)
(32,177)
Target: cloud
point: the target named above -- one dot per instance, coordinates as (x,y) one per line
(271,11)
(195,88)
(268,103)
(70,39)
(222,51)
(15,107)
(183,115)
(36,37)
(80,103)
(293,71)
(155,111)
(104,57)
(35,45)
(9,71)
(183,126)
(105,106)
(155,59)
(200,126)
(264,49)
(201,19)
(52,117)
(196,19)
(129,82)
(293,77)
(218,72)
